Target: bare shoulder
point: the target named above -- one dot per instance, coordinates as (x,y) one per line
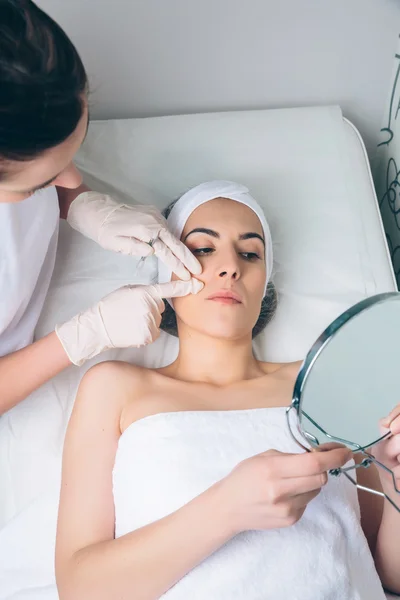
(106,388)
(115,374)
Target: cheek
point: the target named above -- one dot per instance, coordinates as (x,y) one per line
(256,288)
(256,284)
(187,308)
(70,178)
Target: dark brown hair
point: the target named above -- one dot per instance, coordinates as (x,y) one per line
(42,82)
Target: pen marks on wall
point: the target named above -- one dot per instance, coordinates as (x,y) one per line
(389,201)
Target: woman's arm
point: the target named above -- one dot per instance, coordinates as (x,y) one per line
(387,553)
(24,371)
(145,563)
(381,525)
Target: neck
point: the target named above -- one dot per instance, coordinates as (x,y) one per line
(215,361)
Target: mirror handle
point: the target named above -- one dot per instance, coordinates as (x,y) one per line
(366,489)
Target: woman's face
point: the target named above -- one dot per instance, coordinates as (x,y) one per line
(53,167)
(228,240)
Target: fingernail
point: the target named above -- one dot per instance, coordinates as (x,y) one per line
(384,422)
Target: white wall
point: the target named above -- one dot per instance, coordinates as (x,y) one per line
(156,57)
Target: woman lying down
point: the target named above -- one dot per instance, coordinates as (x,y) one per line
(184,482)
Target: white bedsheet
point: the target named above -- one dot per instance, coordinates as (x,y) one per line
(307,168)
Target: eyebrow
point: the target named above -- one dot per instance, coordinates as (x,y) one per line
(243,236)
(46,183)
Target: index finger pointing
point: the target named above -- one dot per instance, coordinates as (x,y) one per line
(178,288)
(180,251)
(163,253)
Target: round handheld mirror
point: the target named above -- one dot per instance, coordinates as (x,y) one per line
(350,380)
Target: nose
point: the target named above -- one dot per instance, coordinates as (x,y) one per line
(229,268)
(69,178)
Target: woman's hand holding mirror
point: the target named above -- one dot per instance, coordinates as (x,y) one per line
(348,380)
(272,490)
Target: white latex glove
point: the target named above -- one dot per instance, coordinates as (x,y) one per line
(129,317)
(128,229)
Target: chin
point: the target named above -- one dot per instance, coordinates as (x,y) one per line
(218,322)
(224,330)
(228,335)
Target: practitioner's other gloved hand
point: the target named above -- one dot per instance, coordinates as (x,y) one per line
(272,490)
(129,229)
(128,317)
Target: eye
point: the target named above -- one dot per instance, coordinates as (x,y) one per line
(31,192)
(250,256)
(202,251)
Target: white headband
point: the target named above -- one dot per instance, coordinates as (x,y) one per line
(203,193)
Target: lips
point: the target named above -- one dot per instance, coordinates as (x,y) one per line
(225,297)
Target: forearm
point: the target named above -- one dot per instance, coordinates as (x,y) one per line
(145,563)
(387,552)
(24,371)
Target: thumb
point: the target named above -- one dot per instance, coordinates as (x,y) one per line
(384,426)
(387,421)
(174,289)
